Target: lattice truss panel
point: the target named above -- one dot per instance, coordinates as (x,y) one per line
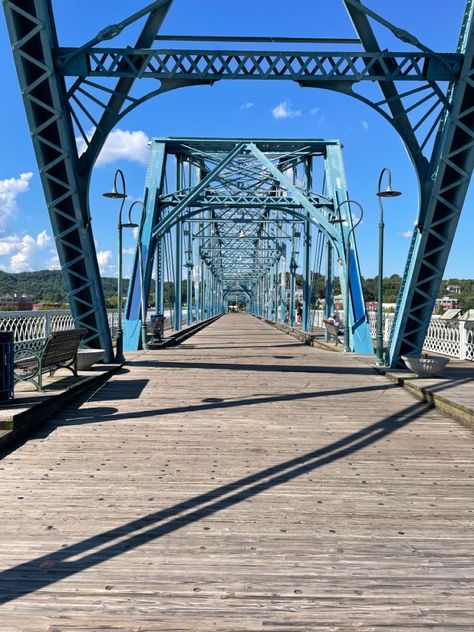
(33,35)
(243,218)
(422,78)
(83,92)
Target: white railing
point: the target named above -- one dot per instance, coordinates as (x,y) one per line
(28,325)
(31,325)
(451,338)
(447,337)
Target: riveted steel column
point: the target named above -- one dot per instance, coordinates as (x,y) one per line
(178,324)
(306,317)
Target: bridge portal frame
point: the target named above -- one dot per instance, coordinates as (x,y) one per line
(435,124)
(239,203)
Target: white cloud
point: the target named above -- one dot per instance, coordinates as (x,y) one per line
(314,111)
(247,105)
(104,258)
(364,124)
(10,189)
(9,244)
(120,145)
(27,250)
(53,263)
(129,251)
(407,234)
(285,110)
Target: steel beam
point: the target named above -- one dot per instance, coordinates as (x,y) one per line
(33,37)
(448,180)
(149,246)
(212,65)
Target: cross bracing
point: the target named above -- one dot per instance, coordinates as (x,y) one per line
(244,210)
(85,91)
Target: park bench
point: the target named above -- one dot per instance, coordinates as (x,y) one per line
(333,331)
(32,358)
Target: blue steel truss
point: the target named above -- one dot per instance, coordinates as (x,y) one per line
(85,91)
(236,205)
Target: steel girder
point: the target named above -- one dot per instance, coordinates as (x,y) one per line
(241,247)
(65,176)
(443,174)
(212,65)
(356,318)
(434,123)
(446,186)
(148,248)
(32,32)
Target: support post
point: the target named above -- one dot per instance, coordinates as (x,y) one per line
(329,294)
(159,278)
(177,277)
(306,317)
(283,285)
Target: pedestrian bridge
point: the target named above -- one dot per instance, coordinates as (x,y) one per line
(242,481)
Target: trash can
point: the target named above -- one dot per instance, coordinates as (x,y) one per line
(6,366)
(158,322)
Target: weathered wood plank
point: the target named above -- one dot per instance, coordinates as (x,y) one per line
(240,482)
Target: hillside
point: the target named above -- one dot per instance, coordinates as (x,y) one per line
(46,286)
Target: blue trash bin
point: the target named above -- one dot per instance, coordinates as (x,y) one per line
(6,366)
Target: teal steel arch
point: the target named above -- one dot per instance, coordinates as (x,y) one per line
(237,203)
(68,91)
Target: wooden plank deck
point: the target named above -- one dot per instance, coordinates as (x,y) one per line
(240,482)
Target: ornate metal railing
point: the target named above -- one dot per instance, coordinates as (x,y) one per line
(32,325)
(28,325)
(451,338)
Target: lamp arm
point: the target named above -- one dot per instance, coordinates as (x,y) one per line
(119,172)
(384,171)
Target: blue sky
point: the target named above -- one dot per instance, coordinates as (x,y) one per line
(230,108)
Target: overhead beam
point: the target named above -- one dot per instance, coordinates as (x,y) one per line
(213,65)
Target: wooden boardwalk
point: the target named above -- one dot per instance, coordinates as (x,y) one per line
(240,482)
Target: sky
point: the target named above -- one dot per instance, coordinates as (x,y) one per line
(234,109)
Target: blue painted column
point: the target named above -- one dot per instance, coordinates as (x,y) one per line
(359,334)
(159,278)
(202,293)
(283,285)
(329,293)
(197,302)
(293,268)
(306,317)
(178,264)
(154,181)
(189,280)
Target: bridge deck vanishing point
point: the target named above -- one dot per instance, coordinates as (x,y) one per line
(240,482)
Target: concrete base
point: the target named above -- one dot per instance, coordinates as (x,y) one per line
(87,357)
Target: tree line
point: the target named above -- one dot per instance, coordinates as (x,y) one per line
(47,286)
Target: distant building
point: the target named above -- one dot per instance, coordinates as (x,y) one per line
(16,302)
(298,294)
(453,289)
(371,306)
(445,303)
(40,306)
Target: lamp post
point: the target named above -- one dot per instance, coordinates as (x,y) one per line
(388,193)
(119,195)
(140,263)
(339,220)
